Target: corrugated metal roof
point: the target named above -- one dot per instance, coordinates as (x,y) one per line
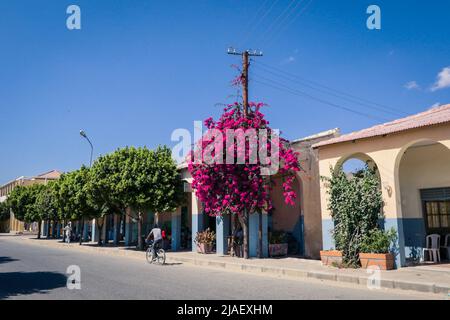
(430,117)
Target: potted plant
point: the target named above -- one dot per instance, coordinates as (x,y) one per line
(374,249)
(331,257)
(204,241)
(278,245)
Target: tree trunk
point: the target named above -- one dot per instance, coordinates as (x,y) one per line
(48,229)
(140,243)
(233,231)
(243,220)
(156,219)
(55,229)
(82,230)
(39,228)
(117,219)
(100,229)
(64,231)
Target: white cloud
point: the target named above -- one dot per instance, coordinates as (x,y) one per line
(443,80)
(288,60)
(437,104)
(412,85)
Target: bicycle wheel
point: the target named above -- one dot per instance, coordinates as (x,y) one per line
(149,256)
(161,256)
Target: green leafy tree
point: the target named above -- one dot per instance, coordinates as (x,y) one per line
(356,205)
(72,199)
(104,190)
(138,178)
(4,211)
(22,201)
(46,204)
(151,182)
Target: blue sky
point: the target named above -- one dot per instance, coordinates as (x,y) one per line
(139,69)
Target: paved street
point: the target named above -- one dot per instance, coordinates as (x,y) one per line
(29,271)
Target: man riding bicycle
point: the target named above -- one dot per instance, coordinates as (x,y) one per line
(157,239)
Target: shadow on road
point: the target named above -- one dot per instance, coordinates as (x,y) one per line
(17,283)
(6,260)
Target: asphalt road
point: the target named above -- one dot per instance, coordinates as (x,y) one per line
(30,271)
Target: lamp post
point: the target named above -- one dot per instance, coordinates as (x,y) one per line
(83,134)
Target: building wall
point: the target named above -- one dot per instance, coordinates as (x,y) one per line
(422,168)
(14,224)
(387,152)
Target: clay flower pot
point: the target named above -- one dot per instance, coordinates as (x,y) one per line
(331,257)
(384,261)
(204,248)
(278,249)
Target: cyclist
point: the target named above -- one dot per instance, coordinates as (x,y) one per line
(157,239)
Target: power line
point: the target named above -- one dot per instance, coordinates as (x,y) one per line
(282,87)
(333,92)
(255,26)
(275,21)
(274,26)
(303,10)
(340,96)
(251,22)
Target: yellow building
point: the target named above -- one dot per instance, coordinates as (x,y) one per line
(14,225)
(412,156)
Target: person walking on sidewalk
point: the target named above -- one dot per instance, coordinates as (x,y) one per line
(68,231)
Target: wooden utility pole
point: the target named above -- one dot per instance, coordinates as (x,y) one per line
(244,76)
(245,66)
(244,218)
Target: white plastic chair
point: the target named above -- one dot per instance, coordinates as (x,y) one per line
(447,245)
(432,246)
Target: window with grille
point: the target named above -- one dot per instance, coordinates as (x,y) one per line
(437,214)
(436,207)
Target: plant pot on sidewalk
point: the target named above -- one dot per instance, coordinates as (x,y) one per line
(204,241)
(331,257)
(384,261)
(278,249)
(204,248)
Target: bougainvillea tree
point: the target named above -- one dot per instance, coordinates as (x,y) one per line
(232,163)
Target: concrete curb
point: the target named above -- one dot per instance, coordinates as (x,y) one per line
(334,276)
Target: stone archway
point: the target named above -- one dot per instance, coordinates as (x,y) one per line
(423,182)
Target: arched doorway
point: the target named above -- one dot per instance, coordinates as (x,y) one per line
(424,180)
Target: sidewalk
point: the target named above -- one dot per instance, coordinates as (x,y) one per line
(422,278)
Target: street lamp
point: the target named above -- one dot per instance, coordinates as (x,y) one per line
(83,134)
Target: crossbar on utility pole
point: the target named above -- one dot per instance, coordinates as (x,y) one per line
(245,66)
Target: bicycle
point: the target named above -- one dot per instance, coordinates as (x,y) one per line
(160,254)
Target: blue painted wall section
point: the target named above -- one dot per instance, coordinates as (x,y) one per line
(253,235)
(94,235)
(197,225)
(128,231)
(176,231)
(222,232)
(399,250)
(415,233)
(86,231)
(298,234)
(327,239)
